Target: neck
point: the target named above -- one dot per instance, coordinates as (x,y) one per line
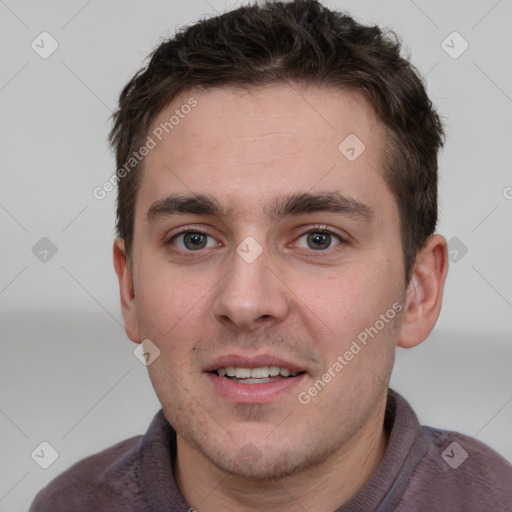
(323,488)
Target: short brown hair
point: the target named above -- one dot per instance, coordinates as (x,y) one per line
(302,42)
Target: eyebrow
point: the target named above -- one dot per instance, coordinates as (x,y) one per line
(279,208)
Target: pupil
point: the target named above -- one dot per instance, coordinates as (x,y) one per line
(197,240)
(322,240)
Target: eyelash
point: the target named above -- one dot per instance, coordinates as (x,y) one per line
(314,229)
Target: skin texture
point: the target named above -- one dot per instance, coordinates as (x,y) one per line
(294,301)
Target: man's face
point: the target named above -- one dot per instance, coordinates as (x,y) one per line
(272,283)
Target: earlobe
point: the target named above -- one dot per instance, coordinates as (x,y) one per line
(126,291)
(424,294)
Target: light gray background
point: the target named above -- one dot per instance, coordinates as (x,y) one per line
(68,373)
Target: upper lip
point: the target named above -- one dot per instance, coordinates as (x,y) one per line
(252,362)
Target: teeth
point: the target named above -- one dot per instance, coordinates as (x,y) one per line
(260,373)
(252,381)
(274,371)
(263,372)
(242,373)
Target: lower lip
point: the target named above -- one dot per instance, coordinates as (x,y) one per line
(253,393)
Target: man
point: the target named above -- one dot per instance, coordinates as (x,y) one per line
(277,202)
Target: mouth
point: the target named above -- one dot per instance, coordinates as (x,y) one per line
(253,380)
(259,375)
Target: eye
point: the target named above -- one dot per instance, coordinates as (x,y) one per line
(319,239)
(189,241)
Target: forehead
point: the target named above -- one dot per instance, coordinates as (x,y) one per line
(250,145)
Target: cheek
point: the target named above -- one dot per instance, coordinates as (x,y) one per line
(357,306)
(356,295)
(166,299)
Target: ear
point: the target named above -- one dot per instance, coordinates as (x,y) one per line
(127,293)
(424,294)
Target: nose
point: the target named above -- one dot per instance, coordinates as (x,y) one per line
(250,296)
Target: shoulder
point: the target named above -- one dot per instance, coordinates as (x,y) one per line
(108,476)
(474,458)
(461,473)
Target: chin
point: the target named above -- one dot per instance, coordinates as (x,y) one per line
(266,463)
(267,467)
